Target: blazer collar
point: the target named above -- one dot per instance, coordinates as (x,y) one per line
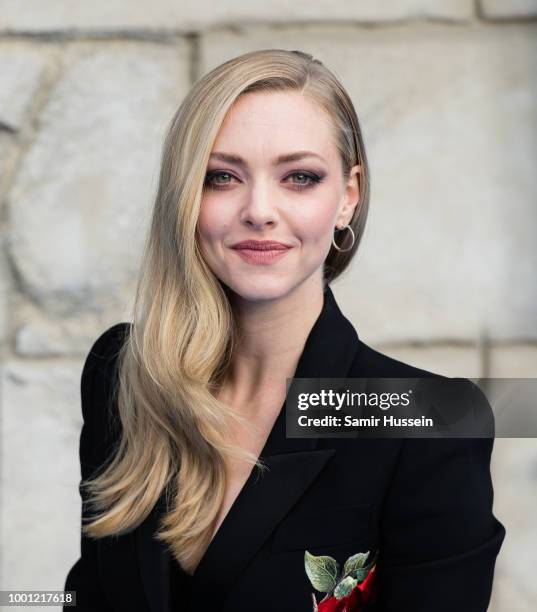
(293,464)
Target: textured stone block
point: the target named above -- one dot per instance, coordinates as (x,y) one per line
(102,15)
(41,421)
(508,8)
(81,200)
(22,68)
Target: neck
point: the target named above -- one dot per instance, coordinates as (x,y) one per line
(272,334)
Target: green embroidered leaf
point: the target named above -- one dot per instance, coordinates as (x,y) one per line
(360,574)
(344,587)
(358,567)
(355,562)
(322,571)
(372,560)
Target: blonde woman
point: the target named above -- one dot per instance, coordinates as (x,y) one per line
(193,496)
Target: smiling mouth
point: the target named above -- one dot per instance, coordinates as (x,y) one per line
(262,256)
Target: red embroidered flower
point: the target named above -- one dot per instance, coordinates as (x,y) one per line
(349,591)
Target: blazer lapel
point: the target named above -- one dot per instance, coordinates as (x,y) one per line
(265,498)
(260,505)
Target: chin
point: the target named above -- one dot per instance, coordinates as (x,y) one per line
(262,290)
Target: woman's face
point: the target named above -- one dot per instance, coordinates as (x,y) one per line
(255,191)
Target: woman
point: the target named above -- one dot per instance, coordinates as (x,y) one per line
(198,499)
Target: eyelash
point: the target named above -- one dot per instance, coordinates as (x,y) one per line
(315,178)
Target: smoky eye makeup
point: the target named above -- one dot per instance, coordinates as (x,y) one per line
(311,178)
(299,180)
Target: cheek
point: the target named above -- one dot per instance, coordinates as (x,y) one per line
(213,222)
(315,224)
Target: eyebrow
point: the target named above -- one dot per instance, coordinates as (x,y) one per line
(281,159)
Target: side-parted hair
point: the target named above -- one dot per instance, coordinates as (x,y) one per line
(174,430)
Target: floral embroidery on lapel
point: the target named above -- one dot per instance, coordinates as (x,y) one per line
(350,591)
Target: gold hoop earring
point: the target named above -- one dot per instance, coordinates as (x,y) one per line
(352,235)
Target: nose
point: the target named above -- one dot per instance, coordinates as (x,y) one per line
(259,208)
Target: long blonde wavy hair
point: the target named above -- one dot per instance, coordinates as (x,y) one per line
(174,431)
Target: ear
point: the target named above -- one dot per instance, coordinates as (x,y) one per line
(350,199)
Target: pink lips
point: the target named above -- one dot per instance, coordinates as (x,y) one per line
(261,251)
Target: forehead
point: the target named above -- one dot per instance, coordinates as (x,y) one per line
(272,123)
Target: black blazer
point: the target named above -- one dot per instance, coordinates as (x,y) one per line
(424,504)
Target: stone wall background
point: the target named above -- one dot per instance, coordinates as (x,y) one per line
(446,93)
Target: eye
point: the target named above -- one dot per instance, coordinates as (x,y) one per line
(219,186)
(310,179)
